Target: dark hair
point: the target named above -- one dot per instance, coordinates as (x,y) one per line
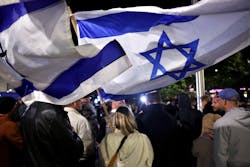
(154,97)
(7,103)
(206,98)
(208,108)
(124,110)
(184,101)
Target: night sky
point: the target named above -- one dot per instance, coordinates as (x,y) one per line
(81,5)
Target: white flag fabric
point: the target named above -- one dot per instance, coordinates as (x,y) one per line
(43,64)
(167,45)
(7,2)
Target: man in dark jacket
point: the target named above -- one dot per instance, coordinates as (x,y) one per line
(160,126)
(48,138)
(189,128)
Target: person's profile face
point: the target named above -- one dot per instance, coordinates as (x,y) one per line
(217,103)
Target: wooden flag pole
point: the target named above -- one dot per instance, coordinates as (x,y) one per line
(72,19)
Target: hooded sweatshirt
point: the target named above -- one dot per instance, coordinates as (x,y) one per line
(232,139)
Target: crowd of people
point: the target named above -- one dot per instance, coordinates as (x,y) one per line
(121,134)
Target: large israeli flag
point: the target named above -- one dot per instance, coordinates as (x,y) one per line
(167,45)
(40,60)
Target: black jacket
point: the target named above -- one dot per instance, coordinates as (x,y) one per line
(48,138)
(160,126)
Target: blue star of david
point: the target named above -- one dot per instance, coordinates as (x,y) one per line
(190,65)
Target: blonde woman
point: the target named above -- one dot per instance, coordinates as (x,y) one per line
(136,151)
(203,145)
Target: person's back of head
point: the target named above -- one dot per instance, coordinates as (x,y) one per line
(7,103)
(208,122)
(77,105)
(87,110)
(124,120)
(184,102)
(208,108)
(153,97)
(206,98)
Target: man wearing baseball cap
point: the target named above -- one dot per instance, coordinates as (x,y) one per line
(232,132)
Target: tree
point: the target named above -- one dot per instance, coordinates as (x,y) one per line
(181,86)
(231,72)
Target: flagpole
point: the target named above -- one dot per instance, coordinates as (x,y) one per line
(200,87)
(72,19)
(200,82)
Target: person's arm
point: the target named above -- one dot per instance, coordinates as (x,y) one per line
(221,146)
(195,148)
(69,143)
(85,133)
(13,135)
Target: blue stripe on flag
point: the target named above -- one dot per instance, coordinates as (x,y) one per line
(116,97)
(26,88)
(11,13)
(126,22)
(82,70)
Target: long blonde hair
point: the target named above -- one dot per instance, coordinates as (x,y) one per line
(208,121)
(124,120)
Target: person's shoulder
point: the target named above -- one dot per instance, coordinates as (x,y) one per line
(6,122)
(137,138)
(138,135)
(243,109)
(46,113)
(3,117)
(113,137)
(222,122)
(198,112)
(43,108)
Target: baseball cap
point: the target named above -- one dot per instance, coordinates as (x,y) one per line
(229,94)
